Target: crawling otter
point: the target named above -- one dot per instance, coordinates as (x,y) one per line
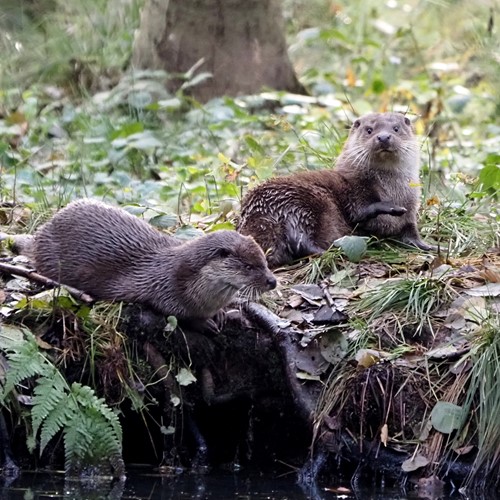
(373,190)
(113,255)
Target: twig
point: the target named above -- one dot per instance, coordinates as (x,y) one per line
(34,276)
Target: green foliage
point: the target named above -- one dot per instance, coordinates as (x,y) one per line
(91,430)
(483,398)
(417,298)
(489,176)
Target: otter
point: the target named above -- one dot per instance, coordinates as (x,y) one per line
(113,255)
(373,190)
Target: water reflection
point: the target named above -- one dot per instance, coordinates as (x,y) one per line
(215,485)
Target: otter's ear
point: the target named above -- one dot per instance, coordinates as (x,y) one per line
(356,124)
(407,121)
(223,253)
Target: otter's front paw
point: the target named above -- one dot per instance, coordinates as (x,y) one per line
(397,211)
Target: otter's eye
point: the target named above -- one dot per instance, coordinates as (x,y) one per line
(369,130)
(395,128)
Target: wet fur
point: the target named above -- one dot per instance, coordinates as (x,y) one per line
(113,255)
(373,190)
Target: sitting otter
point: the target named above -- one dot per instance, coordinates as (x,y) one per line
(373,190)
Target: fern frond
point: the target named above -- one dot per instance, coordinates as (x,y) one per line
(91,430)
(78,437)
(56,420)
(48,396)
(86,397)
(24,362)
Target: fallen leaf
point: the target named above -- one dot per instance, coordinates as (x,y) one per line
(384,434)
(333,346)
(310,360)
(295,301)
(307,376)
(414,463)
(42,344)
(488,290)
(463,450)
(369,357)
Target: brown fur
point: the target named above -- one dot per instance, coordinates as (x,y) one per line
(373,190)
(113,255)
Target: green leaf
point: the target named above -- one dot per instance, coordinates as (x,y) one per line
(127,129)
(188,233)
(134,209)
(185,377)
(143,140)
(446,417)
(489,176)
(164,221)
(254,145)
(378,86)
(10,336)
(228,226)
(353,246)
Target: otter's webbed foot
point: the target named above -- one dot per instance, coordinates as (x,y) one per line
(379,208)
(210,326)
(417,242)
(300,244)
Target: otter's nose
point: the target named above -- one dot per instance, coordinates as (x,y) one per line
(385,139)
(271,282)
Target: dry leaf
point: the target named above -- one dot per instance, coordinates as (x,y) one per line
(384,434)
(414,463)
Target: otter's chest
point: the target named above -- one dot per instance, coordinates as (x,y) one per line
(401,190)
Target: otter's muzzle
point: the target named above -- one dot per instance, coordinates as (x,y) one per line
(271,282)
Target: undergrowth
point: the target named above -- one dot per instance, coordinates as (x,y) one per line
(91,430)
(416,298)
(482,402)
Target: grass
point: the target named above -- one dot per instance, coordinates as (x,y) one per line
(483,401)
(74,121)
(413,298)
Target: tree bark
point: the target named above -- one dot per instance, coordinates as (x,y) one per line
(241,43)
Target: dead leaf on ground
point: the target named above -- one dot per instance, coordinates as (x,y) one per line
(384,434)
(414,463)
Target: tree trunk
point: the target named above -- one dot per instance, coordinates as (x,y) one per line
(240,41)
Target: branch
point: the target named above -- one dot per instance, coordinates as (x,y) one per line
(34,276)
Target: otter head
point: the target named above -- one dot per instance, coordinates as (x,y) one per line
(241,263)
(382,140)
(228,263)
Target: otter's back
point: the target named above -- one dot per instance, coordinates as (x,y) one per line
(88,239)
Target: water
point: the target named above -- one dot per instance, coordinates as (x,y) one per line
(215,485)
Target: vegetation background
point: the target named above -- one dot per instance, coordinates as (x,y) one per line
(76,120)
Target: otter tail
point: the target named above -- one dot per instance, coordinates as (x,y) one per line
(20,244)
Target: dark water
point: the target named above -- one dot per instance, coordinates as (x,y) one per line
(148,485)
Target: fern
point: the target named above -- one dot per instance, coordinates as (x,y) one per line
(91,430)
(24,363)
(48,398)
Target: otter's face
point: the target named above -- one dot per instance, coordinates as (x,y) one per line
(245,267)
(384,134)
(240,265)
